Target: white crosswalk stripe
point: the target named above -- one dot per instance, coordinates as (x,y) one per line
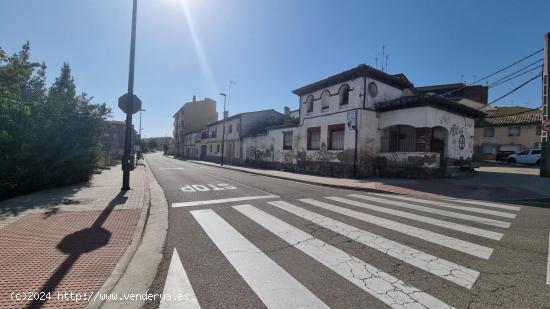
(460,275)
(177,284)
(440,212)
(483,203)
(410,216)
(379,284)
(448,205)
(273,285)
(436,238)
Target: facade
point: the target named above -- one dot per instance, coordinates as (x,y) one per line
(365,122)
(112,139)
(192,116)
(506,131)
(474,96)
(207,144)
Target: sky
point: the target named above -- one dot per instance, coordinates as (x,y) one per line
(269,48)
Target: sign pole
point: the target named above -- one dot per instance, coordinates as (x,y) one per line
(126,163)
(545,140)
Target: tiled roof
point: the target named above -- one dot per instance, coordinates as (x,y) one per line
(432,100)
(397,80)
(521,119)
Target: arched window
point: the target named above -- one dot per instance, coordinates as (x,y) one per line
(344,94)
(309,104)
(325,99)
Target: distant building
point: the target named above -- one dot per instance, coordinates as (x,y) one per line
(160,141)
(113,138)
(474,96)
(192,116)
(507,129)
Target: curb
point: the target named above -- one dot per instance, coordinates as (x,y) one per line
(297,180)
(124,261)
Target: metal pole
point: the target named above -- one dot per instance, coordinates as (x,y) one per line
(545,139)
(223,129)
(126,165)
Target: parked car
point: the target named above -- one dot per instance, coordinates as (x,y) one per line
(503,155)
(529,156)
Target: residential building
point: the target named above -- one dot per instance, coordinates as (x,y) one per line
(507,129)
(367,122)
(474,96)
(192,116)
(113,138)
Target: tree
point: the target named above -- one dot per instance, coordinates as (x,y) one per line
(152,144)
(47,138)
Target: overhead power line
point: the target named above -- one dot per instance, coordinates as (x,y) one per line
(503,80)
(519,113)
(495,73)
(513,90)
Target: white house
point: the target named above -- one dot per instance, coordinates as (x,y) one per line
(366,122)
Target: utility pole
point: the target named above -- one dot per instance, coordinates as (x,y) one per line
(545,140)
(223,123)
(126,164)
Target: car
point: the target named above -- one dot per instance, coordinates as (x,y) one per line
(528,156)
(502,155)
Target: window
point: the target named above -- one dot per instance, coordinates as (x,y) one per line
(539,130)
(325,96)
(314,138)
(344,94)
(210,147)
(336,136)
(212,131)
(488,132)
(489,149)
(287,140)
(217,148)
(230,128)
(513,131)
(523,153)
(309,104)
(535,152)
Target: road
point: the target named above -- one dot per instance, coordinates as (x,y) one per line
(238,240)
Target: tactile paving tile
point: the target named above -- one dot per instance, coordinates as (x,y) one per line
(30,253)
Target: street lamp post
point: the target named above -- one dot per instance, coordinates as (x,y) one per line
(126,165)
(223,123)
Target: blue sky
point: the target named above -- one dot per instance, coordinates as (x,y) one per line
(269,47)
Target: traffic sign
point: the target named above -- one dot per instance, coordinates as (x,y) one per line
(546,125)
(123,103)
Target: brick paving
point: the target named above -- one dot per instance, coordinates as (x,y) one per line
(67,240)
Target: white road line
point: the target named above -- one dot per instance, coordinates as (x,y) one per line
(437,222)
(483,203)
(374,281)
(224,200)
(273,285)
(440,212)
(171,168)
(548,263)
(442,268)
(443,204)
(433,237)
(177,283)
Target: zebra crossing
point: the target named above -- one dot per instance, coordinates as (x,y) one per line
(277,288)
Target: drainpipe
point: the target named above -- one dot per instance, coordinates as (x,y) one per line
(355,153)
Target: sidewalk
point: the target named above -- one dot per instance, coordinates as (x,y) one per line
(68,240)
(488,183)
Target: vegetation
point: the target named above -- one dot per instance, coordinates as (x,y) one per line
(48,137)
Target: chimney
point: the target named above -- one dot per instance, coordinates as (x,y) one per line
(194,99)
(286,111)
(225,115)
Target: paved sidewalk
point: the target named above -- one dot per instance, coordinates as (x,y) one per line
(488,183)
(67,240)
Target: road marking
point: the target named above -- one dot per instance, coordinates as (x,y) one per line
(436,238)
(374,281)
(177,283)
(224,200)
(443,204)
(273,285)
(455,273)
(171,168)
(548,263)
(437,222)
(440,212)
(483,203)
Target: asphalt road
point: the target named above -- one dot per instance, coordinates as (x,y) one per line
(239,240)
